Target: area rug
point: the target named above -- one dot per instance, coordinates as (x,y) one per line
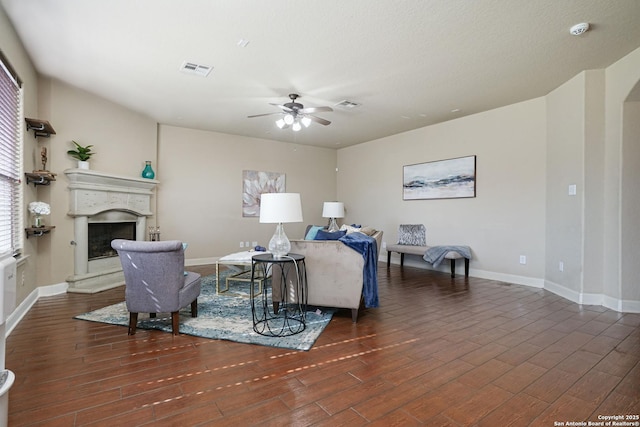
(219,317)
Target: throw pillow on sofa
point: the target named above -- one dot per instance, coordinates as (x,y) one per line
(349,228)
(369,231)
(313,230)
(326,235)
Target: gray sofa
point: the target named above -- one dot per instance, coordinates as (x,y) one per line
(334,273)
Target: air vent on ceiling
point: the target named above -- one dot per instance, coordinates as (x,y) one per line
(197,69)
(347,104)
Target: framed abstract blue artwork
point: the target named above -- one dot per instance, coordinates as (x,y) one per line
(442,179)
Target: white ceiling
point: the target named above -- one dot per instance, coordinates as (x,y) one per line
(409,63)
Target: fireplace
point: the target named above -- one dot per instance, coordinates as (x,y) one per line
(104,207)
(101,235)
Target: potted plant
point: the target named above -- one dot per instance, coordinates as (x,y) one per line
(82,154)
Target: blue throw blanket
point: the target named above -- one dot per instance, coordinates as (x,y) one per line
(366,246)
(436,254)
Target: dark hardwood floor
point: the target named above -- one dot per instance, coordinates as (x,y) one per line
(438,351)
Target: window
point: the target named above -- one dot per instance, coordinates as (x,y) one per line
(10,160)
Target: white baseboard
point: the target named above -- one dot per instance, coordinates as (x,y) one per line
(23,308)
(508,278)
(569,294)
(616,304)
(622,306)
(482,274)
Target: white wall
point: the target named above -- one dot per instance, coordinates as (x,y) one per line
(504,221)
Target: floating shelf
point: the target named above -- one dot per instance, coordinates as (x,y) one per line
(40,127)
(39,231)
(40,177)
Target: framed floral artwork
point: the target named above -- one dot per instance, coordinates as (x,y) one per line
(254,184)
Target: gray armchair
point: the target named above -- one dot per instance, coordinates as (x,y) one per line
(155,280)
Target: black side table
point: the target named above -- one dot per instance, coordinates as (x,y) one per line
(287,315)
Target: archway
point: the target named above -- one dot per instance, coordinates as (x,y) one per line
(630,198)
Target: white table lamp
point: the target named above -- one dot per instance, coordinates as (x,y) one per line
(278,208)
(333,210)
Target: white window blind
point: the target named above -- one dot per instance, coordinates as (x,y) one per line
(10,160)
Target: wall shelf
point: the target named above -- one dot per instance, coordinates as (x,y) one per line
(40,127)
(39,231)
(40,177)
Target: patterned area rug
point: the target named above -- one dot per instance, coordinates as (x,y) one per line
(219,317)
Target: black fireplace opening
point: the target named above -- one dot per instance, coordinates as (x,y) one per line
(102,233)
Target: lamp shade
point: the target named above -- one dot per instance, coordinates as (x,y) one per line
(333,210)
(280,208)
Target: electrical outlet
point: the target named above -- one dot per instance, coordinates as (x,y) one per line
(561,266)
(384,245)
(246,244)
(523,259)
(242,244)
(254,244)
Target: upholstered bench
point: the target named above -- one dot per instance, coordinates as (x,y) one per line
(412,241)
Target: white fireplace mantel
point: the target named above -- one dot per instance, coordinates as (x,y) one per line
(92,193)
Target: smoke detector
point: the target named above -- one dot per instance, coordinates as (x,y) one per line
(578,29)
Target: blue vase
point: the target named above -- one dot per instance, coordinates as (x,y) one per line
(147,172)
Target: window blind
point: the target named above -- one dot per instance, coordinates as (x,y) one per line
(10,160)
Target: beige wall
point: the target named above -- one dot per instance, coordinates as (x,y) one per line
(575,156)
(630,209)
(565,166)
(504,221)
(122,140)
(200,190)
(594,170)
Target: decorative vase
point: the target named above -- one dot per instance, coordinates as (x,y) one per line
(83,164)
(148,172)
(38,221)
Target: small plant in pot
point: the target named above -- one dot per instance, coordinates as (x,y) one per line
(82,154)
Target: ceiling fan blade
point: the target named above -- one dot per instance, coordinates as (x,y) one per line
(314,110)
(284,107)
(319,120)
(266,114)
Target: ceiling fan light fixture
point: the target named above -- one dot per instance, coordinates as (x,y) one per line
(288,119)
(295,116)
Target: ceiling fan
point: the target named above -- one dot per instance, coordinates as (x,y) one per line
(295,115)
